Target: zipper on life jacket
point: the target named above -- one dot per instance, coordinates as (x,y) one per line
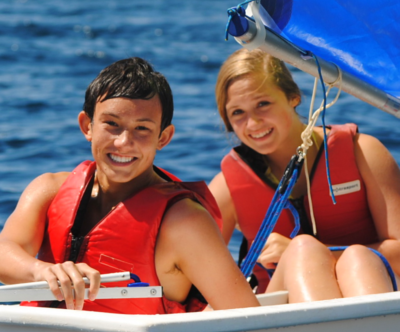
(76,241)
(76,244)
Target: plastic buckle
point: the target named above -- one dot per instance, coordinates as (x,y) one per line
(293,164)
(137,282)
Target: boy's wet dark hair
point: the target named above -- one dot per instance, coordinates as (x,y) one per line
(132,78)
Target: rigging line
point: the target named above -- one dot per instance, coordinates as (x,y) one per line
(316,116)
(310,204)
(307,134)
(324,129)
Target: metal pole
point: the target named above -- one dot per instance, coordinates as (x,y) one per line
(257,36)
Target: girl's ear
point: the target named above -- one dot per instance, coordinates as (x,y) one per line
(85,123)
(165,136)
(295,101)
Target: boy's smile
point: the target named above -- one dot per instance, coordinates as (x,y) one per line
(120,159)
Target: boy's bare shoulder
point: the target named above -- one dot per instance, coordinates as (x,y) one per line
(186,210)
(56,179)
(31,210)
(45,186)
(186,228)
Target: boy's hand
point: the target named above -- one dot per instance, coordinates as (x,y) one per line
(66,282)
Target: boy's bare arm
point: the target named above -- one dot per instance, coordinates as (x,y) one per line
(23,232)
(22,237)
(191,250)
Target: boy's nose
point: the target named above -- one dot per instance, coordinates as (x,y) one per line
(123,138)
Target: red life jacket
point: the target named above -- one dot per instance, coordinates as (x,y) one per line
(347,222)
(124,240)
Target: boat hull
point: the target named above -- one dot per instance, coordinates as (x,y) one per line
(364,313)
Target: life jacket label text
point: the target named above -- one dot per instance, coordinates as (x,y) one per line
(346,188)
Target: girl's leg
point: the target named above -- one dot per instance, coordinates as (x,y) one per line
(360,272)
(307,270)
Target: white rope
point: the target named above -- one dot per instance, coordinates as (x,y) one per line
(306,136)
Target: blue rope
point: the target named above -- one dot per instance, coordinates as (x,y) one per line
(278,203)
(384,261)
(328,173)
(296,216)
(269,271)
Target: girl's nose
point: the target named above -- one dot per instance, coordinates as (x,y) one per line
(253,122)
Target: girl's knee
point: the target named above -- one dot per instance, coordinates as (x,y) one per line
(304,247)
(357,251)
(357,255)
(305,242)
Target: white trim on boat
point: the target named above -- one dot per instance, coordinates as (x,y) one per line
(364,313)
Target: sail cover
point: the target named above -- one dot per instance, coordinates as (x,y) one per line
(360,36)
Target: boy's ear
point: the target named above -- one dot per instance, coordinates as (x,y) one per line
(165,136)
(85,123)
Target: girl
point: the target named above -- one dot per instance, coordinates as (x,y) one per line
(257,100)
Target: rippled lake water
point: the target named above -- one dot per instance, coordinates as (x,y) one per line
(51,50)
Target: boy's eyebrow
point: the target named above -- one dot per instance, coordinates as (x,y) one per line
(139,120)
(146,120)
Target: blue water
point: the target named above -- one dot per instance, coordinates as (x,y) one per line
(50,50)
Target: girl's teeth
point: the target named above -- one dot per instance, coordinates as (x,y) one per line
(262,134)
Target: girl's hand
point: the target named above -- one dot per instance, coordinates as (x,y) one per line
(273,250)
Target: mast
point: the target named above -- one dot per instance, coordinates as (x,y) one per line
(253,34)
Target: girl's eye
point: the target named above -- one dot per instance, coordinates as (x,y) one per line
(237,112)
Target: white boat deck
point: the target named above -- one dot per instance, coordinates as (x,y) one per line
(364,313)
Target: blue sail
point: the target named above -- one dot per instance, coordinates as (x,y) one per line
(360,36)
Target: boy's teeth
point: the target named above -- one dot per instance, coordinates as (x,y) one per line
(121,159)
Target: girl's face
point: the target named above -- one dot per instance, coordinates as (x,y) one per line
(260,114)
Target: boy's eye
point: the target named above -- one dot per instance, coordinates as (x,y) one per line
(263,103)
(142,128)
(111,123)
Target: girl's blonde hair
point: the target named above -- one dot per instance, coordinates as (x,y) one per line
(244,62)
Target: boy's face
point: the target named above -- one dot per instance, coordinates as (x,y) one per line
(125,135)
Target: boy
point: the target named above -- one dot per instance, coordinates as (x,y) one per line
(120,213)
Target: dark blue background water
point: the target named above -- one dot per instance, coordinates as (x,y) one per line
(50,50)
